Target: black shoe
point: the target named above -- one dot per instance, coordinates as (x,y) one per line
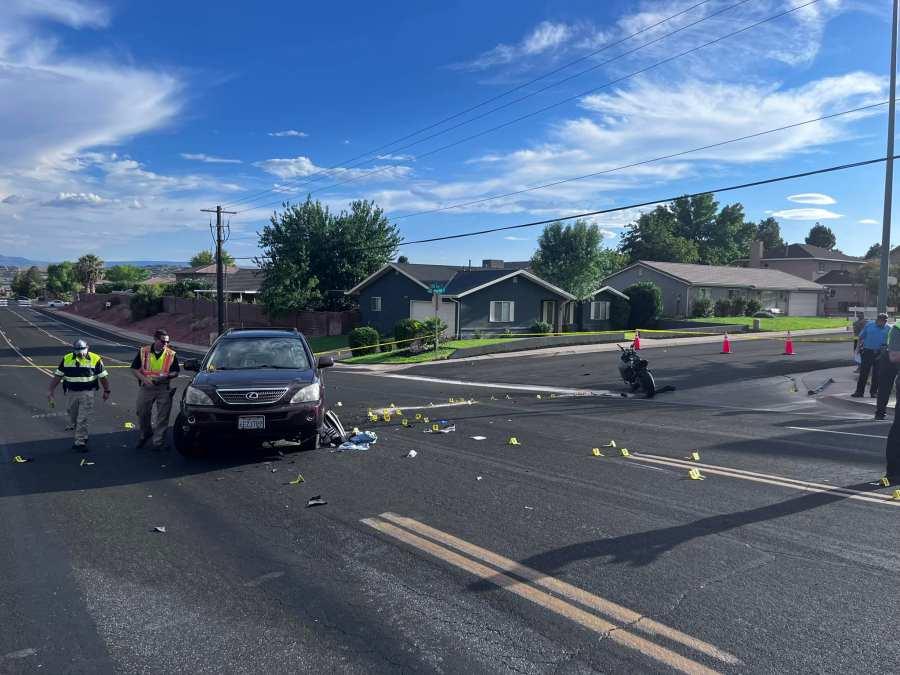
(880,415)
(856,394)
(142,441)
(873,395)
(80,447)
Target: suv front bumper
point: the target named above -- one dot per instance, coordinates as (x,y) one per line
(281,421)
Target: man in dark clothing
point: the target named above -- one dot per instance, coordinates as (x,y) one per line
(871,340)
(892,448)
(154,367)
(887,374)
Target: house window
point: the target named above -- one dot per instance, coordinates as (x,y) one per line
(821,267)
(569,312)
(502,311)
(599,310)
(375,303)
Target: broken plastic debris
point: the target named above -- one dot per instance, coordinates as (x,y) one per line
(530,508)
(316,501)
(19,459)
(368,437)
(348,446)
(477,477)
(411,454)
(611,444)
(128,425)
(338,405)
(479,438)
(299,479)
(159,528)
(441,427)
(84,462)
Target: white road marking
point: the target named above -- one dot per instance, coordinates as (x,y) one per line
(842,433)
(25,358)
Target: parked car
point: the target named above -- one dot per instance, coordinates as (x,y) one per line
(253,385)
(23,302)
(56,303)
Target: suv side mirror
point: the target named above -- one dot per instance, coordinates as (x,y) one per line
(326,361)
(192,364)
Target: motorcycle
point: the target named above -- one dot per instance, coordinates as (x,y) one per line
(634,372)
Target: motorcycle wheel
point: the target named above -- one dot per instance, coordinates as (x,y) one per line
(647,383)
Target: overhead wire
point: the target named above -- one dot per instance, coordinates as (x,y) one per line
(561,102)
(488,101)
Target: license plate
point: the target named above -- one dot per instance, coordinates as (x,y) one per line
(252,422)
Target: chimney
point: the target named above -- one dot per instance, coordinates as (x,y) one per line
(756,253)
(492,264)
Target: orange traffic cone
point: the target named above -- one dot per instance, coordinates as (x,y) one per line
(637,340)
(789,345)
(726,345)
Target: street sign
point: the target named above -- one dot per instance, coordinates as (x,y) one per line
(438,289)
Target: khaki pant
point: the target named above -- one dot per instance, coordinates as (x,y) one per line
(161,395)
(80,406)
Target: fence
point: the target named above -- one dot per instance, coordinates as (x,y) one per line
(242,315)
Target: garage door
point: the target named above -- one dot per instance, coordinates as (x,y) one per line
(421,310)
(803,304)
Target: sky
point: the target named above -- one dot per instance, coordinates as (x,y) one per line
(122,120)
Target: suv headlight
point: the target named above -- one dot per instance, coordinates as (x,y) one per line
(196,396)
(310,393)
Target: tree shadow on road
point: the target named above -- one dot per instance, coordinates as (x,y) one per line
(643,548)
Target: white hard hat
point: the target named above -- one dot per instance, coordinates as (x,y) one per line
(79,345)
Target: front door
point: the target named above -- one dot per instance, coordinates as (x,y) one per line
(548,313)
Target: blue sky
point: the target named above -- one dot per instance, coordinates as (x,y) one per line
(122,120)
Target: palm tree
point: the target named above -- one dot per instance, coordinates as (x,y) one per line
(89,270)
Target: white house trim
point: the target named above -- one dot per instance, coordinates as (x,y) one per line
(611,290)
(524,273)
(377,274)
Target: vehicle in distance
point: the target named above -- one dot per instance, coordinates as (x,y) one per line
(56,303)
(4,302)
(254,385)
(23,302)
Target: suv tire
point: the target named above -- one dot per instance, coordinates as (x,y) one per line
(185,441)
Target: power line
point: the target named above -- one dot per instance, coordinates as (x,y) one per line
(561,102)
(652,202)
(634,164)
(495,98)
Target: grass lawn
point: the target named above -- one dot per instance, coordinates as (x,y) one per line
(781,323)
(327,344)
(443,353)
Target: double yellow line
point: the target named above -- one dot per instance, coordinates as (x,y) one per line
(597,614)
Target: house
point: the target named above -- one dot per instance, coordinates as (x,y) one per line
(815,263)
(593,313)
(681,284)
(494,298)
(241,285)
(204,273)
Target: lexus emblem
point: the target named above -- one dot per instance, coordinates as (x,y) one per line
(253,395)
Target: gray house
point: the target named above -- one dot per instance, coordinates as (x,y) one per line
(493,298)
(683,283)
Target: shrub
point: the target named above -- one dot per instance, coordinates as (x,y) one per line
(722,307)
(738,306)
(146,301)
(619,311)
(186,288)
(701,307)
(363,340)
(432,326)
(753,306)
(541,327)
(407,329)
(645,300)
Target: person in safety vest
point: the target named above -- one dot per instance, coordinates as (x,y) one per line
(81,372)
(154,367)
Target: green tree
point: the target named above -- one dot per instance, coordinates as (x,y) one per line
(27,283)
(89,270)
(570,256)
(147,301)
(869,274)
(62,282)
(821,236)
(207,257)
(768,231)
(125,277)
(653,237)
(186,288)
(873,252)
(312,255)
(645,300)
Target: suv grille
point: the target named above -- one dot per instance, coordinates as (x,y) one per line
(251,396)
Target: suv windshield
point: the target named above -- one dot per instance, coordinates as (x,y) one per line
(249,353)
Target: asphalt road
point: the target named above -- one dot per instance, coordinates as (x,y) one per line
(473,556)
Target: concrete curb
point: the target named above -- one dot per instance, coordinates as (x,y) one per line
(121,332)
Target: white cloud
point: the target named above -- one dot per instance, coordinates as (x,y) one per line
(807,214)
(289,133)
(72,13)
(869,221)
(396,158)
(12,200)
(544,37)
(64,199)
(514,238)
(302,167)
(812,198)
(209,159)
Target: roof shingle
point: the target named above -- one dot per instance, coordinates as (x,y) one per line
(746,277)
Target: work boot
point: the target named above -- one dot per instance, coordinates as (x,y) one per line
(80,446)
(856,394)
(142,441)
(880,414)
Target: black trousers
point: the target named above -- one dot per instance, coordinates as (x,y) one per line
(892,451)
(887,373)
(868,357)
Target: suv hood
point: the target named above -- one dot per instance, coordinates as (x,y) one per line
(256,378)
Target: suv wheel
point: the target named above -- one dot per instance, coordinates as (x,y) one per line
(185,440)
(310,442)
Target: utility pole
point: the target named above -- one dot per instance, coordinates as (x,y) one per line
(888,174)
(220,267)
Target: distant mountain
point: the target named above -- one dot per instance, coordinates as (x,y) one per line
(15,261)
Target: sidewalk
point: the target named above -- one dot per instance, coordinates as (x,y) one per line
(646,343)
(121,332)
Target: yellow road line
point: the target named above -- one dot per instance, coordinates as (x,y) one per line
(606,607)
(768,479)
(16,350)
(59,339)
(590,621)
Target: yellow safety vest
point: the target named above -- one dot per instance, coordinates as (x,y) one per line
(156,366)
(80,373)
